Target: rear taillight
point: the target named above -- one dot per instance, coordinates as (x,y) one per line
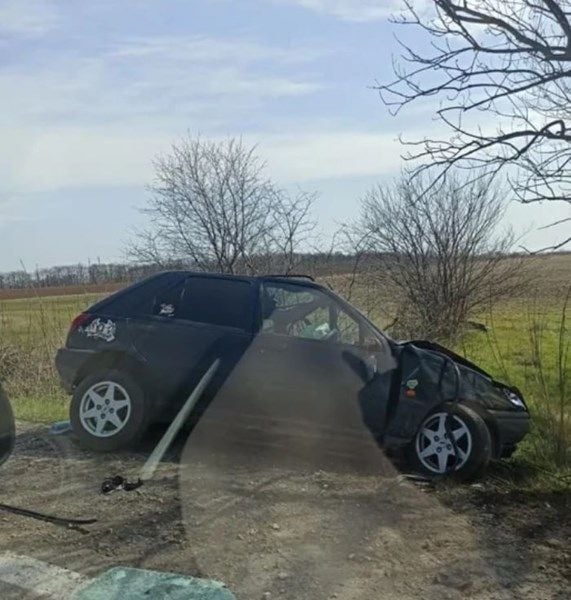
(79,321)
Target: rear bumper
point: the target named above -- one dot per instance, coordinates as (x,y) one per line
(68,364)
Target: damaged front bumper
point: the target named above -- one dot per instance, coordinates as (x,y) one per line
(510,427)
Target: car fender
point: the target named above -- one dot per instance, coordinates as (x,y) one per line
(120,360)
(418,392)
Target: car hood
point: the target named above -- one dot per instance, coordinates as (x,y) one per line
(437,348)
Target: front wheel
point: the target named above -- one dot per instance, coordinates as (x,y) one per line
(108,411)
(433,453)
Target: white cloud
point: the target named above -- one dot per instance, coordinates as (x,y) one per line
(330,154)
(230,82)
(27,18)
(196,78)
(206,49)
(216,66)
(70,157)
(98,119)
(353,10)
(112,156)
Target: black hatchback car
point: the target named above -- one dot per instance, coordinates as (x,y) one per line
(133,358)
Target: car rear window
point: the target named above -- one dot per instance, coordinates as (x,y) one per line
(224,302)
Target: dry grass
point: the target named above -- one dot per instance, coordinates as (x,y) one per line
(65,290)
(31,330)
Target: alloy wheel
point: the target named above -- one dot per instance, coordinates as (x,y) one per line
(105,409)
(434,448)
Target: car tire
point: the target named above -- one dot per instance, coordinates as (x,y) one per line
(432,454)
(109,411)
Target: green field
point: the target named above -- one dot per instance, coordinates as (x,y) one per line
(526,344)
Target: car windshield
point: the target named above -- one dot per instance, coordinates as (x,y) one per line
(284,299)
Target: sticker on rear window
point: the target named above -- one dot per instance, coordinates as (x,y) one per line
(166,310)
(100,330)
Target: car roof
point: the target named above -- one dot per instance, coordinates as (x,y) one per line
(293,278)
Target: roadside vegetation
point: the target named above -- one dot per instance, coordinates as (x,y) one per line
(527,344)
(443,250)
(31,330)
(524,340)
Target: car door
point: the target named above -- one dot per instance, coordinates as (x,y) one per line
(193,322)
(315,359)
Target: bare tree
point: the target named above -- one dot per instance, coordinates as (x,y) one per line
(508,61)
(440,249)
(211,206)
(291,227)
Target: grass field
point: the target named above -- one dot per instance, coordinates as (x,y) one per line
(527,344)
(66,290)
(31,330)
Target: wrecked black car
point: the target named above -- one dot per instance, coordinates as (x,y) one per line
(132,359)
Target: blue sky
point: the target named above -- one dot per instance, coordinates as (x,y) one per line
(92,90)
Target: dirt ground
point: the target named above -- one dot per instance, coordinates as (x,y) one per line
(273,529)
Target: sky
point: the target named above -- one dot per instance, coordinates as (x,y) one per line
(92,90)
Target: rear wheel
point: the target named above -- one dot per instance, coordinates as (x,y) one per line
(433,452)
(108,411)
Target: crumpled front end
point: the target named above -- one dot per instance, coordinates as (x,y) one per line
(431,375)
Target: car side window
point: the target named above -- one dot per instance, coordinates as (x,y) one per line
(217,301)
(306,313)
